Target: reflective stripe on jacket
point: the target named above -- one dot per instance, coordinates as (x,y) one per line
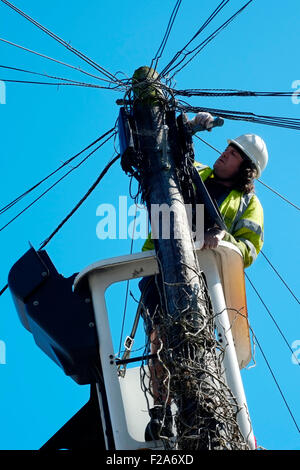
(243,216)
(244,219)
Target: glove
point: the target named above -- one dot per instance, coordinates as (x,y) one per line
(212,237)
(201,122)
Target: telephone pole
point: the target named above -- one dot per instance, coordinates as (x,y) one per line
(206,416)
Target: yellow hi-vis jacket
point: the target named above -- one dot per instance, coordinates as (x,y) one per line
(244,219)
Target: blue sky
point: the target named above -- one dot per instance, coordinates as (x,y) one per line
(42,126)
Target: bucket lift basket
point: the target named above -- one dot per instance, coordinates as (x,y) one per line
(224,272)
(69,321)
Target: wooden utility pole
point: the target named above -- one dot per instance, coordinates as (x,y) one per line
(206,413)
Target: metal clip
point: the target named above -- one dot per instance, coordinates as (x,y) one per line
(128,343)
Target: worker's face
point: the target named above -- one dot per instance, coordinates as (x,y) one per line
(228,164)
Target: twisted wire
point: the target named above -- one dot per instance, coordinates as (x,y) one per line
(190,376)
(99,68)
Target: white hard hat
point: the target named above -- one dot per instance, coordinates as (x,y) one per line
(255,148)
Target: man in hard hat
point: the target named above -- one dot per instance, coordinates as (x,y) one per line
(231,184)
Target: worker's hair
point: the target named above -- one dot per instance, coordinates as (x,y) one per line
(245,178)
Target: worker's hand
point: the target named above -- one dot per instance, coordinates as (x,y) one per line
(201,122)
(212,237)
